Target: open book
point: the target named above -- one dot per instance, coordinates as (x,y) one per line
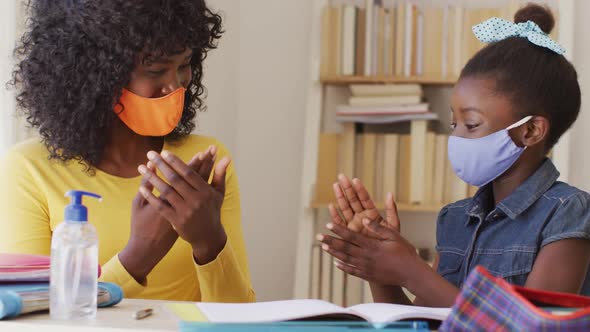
(379,314)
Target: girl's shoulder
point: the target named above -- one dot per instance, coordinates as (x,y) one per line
(564,191)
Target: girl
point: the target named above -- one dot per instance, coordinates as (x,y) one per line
(513,101)
(111,85)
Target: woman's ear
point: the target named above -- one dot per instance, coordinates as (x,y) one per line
(536,130)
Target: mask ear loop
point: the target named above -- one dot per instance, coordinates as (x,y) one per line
(520,123)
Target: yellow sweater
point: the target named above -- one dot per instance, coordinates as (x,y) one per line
(32,203)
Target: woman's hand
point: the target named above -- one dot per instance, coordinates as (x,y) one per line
(152,236)
(190,204)
(382,256)
(355,203)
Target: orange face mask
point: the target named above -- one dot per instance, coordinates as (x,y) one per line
(151,116)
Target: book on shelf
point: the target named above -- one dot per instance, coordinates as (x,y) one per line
(379,314)
(315,272)
(390,165)
(326,276)
(379,168)
(404,169)
(386,118)
(385,90)
(349,17)
(327,168)
(439,169)
(419,58)
(367,294)
(338,286)
(389,51)
(367,171)
(359,68)
(430,153)
(379,58)
(347,148)
(400,32)
(369,30)
(433,37)
(384,100)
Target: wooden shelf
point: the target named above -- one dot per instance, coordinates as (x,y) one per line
(343,80)
(401,207)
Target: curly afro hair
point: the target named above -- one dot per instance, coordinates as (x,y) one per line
(78,55)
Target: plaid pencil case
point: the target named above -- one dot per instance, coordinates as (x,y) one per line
(488,303)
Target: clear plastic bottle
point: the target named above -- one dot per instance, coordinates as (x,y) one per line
(74,263)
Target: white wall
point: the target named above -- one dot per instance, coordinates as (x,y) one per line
(7,103)
(580,153)
(257,81)
(221,79)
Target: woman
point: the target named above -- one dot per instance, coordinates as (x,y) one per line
(113,87)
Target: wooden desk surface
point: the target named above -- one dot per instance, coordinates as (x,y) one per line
(113,319)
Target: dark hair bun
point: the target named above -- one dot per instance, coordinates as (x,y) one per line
(541,15)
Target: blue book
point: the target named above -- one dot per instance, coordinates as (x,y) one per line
(22,298)
(324,326)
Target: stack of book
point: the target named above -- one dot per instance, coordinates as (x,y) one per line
(386,103)
(24,285)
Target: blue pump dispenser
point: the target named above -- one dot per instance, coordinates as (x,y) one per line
(76,211)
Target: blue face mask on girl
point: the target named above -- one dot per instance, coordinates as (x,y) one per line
(479,161)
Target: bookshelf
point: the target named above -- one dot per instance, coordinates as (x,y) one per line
(346,80)
(325,90)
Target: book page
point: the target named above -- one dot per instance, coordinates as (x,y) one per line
(268,311)
(382,313)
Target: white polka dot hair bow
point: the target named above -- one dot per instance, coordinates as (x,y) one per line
(496,29)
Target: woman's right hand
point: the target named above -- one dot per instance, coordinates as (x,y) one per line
(152,236)
(355,204)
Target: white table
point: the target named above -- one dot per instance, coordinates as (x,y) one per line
(114,319)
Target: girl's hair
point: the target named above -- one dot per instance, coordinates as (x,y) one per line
(77,55)
(537,80)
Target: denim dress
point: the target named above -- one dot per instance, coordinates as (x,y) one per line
(506,239)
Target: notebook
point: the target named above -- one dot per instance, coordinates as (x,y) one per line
(378,314)
(25,268)
(18,299)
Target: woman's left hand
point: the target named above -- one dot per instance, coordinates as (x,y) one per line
(383,256)
(189,203)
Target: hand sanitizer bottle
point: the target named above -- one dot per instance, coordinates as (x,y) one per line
(74,263)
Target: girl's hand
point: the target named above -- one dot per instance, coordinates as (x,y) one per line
(190,204)
(381,256)
(355,203)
